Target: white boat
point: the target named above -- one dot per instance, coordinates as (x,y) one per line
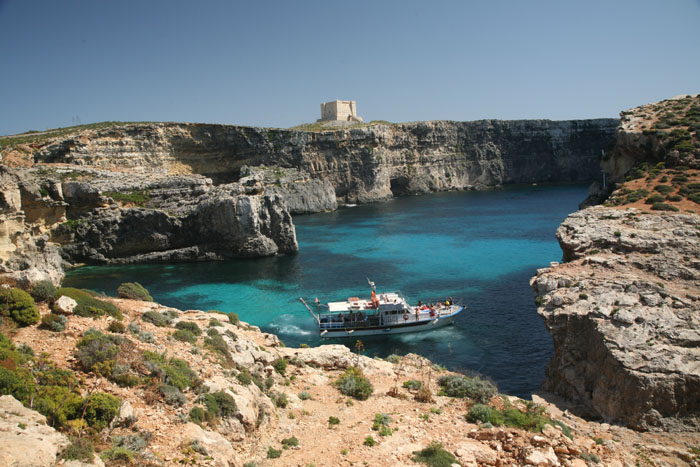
(383,313)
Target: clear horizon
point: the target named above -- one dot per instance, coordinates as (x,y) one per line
(271,63)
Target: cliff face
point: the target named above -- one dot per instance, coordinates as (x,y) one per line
(111,217)
(363,164)
(623,316)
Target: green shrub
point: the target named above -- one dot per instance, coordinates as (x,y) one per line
(18,383)
(333,421)
(369,441)
(96,352)
(197,415)
(156,318)
(280,365)
(135,197)
(214,322)
(79,449)
(664,189)
(280,400)
(664,207)
(101,409)
(43,291)
(655,199)
(118,453)
(434,455)
(233,318)
(116,327)
(354,383)
(183,335)
(412,385)
(381,424)
(290,442)
(475,388)
(133,442)
(244,377)
(219,404)
(88,305)
(20,306)
(273,453)
(217,343)
(59,404)
(53,322)
(134,291)
(172,395)
(304,395)
(191,327)
(179,374)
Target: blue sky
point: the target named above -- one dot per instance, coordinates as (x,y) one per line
(271,63)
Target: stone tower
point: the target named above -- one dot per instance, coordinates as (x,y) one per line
(345,111)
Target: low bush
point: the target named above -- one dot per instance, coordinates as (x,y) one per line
(233,318)
(79,449)
(290,442)
(53,322)
(191,327)
(214,322)
(381,424)
(118,453)
(134,291)
(280,400)
(435,455)
(183,335)
(664,207)
(217,343)
(304,395)
(412,385)
(101,409)
(43,291)
(58,404)
(244,377)
(197,415)
(353,383)
(220,404)
(664,189)
(280,365)
(655,199)
(116,327)
(96,352)
(20,306)
(273,453)
(156,318)
(134,442)
(172,395)
(530,420)
(369,441)
(333,421)
(17,382)
(475,388)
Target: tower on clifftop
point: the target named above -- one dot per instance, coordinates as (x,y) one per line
(345,111)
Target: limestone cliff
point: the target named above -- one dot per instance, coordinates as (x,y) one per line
(363,164)
(623,308)
(622,312)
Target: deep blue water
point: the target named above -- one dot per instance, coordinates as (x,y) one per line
(482,247)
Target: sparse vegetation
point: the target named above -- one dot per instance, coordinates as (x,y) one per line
(475,388)
(353,383)
(43,291)
(156,319)
(88,304)
(435,455)
(54,322)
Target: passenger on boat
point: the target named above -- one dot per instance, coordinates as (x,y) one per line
(360,316)
(351,316)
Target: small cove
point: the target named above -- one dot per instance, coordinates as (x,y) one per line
(482,247)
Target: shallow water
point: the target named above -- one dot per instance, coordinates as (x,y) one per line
(481,247)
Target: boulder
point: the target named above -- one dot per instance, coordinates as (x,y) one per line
(25,439)
(64,305)
(218,448)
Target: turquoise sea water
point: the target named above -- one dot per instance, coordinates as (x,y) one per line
(481,247)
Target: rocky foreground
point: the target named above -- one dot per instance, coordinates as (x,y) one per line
(284,414)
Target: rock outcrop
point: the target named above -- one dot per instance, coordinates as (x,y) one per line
(25,439)
(623,314)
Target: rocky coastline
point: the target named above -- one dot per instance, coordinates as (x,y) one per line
(623,306)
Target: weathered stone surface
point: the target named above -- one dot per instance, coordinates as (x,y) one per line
(217,447)
(623,316)
(64,305)
(25,439)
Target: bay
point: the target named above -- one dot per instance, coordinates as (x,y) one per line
(479,247)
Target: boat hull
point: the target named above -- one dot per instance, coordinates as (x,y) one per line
(420,326)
